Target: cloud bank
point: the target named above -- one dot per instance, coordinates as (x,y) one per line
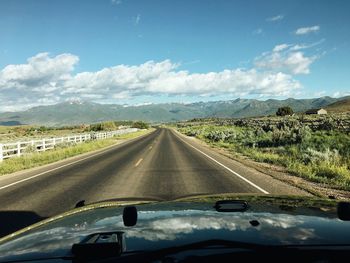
(48,79)
(286,58)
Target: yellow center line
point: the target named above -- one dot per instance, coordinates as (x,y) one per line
(138,162)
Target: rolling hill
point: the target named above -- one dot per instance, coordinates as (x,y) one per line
(339,106)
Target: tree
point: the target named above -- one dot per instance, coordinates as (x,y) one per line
(283,111)
(103,126)
(140,125)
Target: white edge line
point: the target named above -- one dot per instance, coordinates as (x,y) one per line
(227,168)
(138,162)
(68,164)
(48,171)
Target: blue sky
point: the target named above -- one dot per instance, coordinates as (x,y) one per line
(134,52)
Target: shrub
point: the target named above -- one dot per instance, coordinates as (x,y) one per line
(140,125)
(316,157)
(283,111)
(103,126)
(321,156)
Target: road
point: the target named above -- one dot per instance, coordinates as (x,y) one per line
(162,165)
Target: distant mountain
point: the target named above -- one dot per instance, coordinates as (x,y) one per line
(77,112)
(339,106)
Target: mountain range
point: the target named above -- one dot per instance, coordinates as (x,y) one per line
(83,112)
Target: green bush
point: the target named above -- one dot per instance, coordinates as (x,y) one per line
(140,125)
(283,111)
(103,126)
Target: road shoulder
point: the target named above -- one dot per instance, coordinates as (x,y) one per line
(7,179)
(276,172)
(268,182)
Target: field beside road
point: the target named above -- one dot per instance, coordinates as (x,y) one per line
(30,132)
(316,148)
(61,152)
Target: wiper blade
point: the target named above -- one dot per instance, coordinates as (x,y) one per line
(126,200)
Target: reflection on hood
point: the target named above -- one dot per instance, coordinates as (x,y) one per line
(168,226)
(175,227)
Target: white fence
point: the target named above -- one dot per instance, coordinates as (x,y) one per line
(9,150)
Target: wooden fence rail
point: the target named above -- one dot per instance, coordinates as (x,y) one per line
(16,149)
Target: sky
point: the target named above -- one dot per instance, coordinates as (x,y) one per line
(139,52)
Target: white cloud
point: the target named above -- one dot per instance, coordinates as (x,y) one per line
(257,31)
(275,18)
(298,63)
(320,93)
(339,94)
(285,58)
(36,82)
(137,19)
(46,79)
(307,30)
(153,78)
(116,2)
(143,104)
(306,46)
(281,47)
(40,70)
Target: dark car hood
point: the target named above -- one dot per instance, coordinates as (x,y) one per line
(282,221)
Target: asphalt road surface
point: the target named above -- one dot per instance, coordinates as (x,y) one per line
(162,165)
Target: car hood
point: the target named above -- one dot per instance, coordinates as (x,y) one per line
(281,221)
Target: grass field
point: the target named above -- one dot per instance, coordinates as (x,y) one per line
(28,132)
(37,159)
(15,133)
(319,156)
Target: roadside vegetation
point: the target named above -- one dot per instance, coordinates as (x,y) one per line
(34,159)
(284,111)
(15,133)
(321,155)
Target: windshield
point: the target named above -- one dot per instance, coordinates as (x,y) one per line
(160,100)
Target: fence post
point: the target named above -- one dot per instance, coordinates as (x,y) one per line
(76,138)
(1,154)
(18,149)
